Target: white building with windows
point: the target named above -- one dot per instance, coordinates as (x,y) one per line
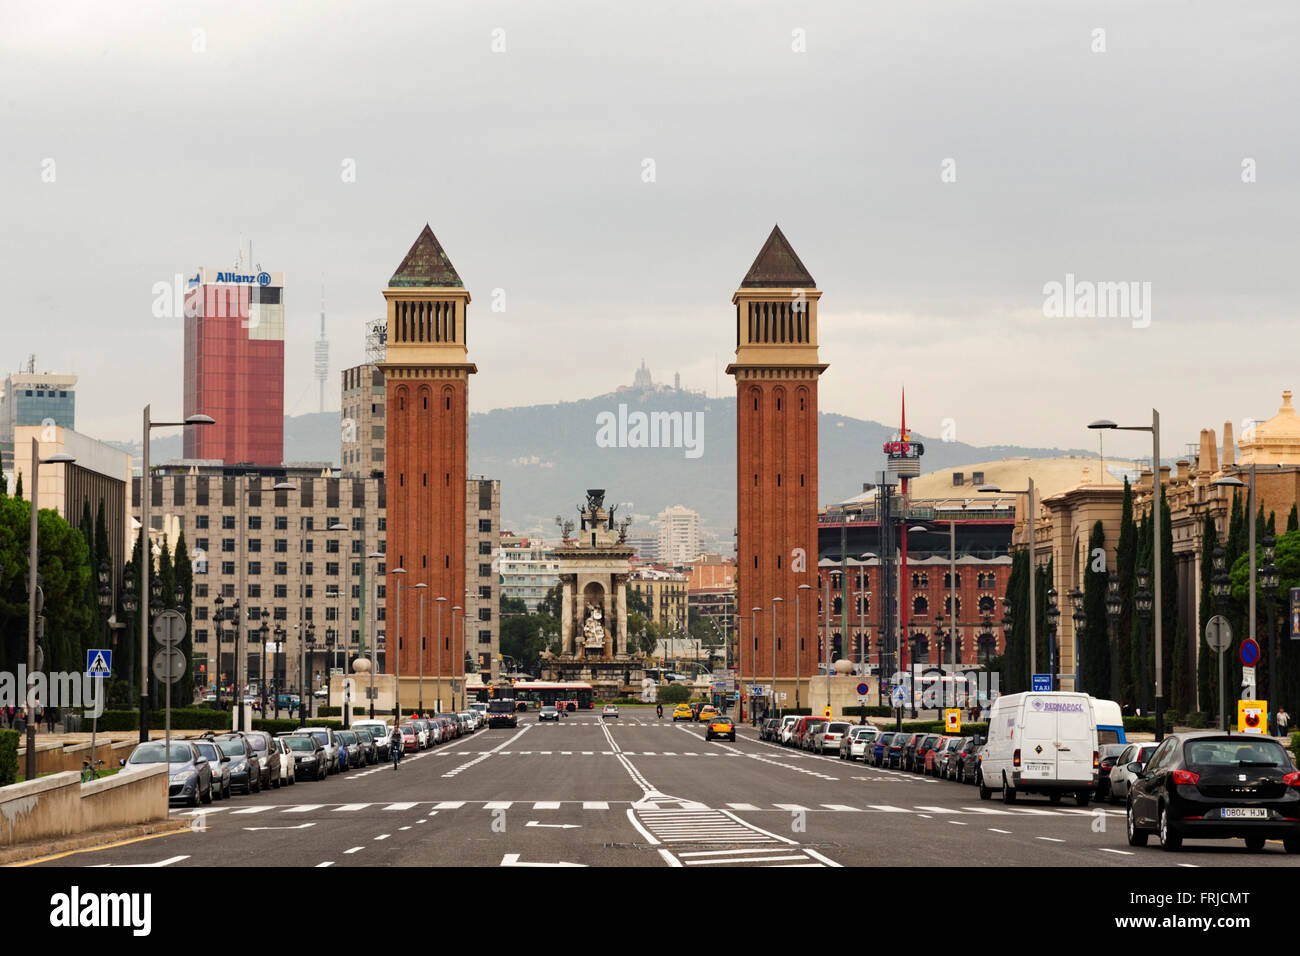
(679,535)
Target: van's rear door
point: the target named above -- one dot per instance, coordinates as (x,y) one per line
(1037,739)
(1075,740)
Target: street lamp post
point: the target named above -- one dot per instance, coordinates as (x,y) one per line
(775,601)
(1144,606)
(130,602)
(753,630)
(1078,616)
(374,635)
(1269,579)
(1154,429)
(275,667)
(1053,616)
(397,653)
(441,601)
(1222,587)
(1033,605)
(463,654)
(1114,604)
(146,496)
(421,587)
(798,646)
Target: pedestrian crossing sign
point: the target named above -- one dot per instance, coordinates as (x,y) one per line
(99,663)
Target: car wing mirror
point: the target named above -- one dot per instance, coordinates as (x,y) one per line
(1136,769)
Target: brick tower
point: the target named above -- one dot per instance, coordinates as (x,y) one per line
(776,370)
(426,374)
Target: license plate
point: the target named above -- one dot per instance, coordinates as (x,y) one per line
(1248,813)
(1033,767)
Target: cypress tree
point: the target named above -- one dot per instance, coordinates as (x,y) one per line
(1172,662)
(1126,568)
(183,572)
(18,487)
(1293,520)
(1096,644)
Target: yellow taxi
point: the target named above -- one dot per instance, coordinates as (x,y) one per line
(707,712)
(720,727)
(682,712)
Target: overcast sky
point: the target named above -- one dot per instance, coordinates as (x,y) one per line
(178,130)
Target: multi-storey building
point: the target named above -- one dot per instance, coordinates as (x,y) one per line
(679,535)
(234,366)
(646,546)
(529,569)
(34,398)
(296,560)
(480,630)
(362,434)
(665,596)
(711,592)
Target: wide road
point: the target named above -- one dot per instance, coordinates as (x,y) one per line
(634,791)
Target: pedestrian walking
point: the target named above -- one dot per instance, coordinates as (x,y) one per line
(50,714)
(1283,721)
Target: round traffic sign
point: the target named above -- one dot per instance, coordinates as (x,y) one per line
(1218,633)
(862,690)
(169,628)
(160,664)
(1249,652)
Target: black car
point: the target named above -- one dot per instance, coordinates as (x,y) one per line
(245,771)
(1213,786)
(957,760)
(970,765)
(897,748)
(310,759)
(770,729)
(368,745)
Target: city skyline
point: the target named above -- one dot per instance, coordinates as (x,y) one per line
(951,301)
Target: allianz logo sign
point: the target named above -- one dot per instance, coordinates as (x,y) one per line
(262,278)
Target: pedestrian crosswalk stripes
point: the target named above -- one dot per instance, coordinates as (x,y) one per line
(680,810)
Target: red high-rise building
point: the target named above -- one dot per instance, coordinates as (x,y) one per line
(234,366)
(777,370)
(426,373)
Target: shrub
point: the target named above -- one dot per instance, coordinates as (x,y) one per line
(1295,749)
(674,694)
(9,740)
(183,718)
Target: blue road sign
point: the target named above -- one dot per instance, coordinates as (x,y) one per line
(99,663)
(862,690)
(1249,652)
(1041,683)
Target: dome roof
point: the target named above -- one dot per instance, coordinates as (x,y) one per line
(1274,442)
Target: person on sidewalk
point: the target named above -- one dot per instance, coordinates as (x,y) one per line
(50,714)
(1283,721)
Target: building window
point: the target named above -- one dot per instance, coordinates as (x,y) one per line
(254,522)
(485,637)
(282,545)
(227,567)
(201,521)
(228,545)
(485,570)
(485,614)
(255,590)
(485,526)
(332,568)
(485,547)
(977,478)
(280,591)
(255,544)
(958,479)
(947,580)
(228,522)
(281,567)
(920,606)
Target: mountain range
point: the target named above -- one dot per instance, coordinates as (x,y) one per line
(546,456)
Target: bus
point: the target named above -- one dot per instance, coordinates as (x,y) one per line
(537,693)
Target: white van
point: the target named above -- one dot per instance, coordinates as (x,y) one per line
(1041,743)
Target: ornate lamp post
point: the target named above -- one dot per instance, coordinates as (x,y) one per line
(1114,604)
(1222,587)
(1269,579)
(1076,601)
(1144,606)
(1053,617)
(130,604)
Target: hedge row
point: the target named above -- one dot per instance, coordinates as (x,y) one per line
(183,718)
(9,740)
(357,711)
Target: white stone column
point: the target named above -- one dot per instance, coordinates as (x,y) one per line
(620,583)
(566,614)
(608,651)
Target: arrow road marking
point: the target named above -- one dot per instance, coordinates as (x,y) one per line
(301,826)
(554,826)
(512,859)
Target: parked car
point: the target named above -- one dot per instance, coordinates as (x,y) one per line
(930,765)
(914,758)
(720,727)
(943,755)
(906,746)
(785,735)
(1107,755)
(808,731)
(245,771)
(1212,785)
(268,758)
(308,756)
(767,730)
(970,767)
(1121,777)
(880,748)
(288,775)
(410,739)
(548,712)
(220,765)
(369,748)
(349,744)
(189,774)
(329,741)
(453,725)
(379,732)
(860,739)
(827,736)
(957,757)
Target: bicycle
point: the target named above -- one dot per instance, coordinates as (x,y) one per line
(88,773)
(395,754)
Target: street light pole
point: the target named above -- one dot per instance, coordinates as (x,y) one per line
(798,644)
(374,634)
(421,587)
(397,655)
(1033,604)
(464,687)
(438,705)
(1270,582)
(753,630)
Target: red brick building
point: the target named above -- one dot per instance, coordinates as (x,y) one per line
(776,371)
(426,374)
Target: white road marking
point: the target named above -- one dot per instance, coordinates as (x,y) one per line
(1120,852)
(512,859)
(304,808)
(742,806)
(595,805)
(1049,839)
(326,863)
(449,805)
(547,805)
(399,806)
(350,807)
(355,849)
(887,809)
(252,810)
(996,830)
(672,860)
(841,808)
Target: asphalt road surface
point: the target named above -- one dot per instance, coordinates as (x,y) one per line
(635,791)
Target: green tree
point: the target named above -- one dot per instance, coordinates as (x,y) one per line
(183,574)
(553,604)
(1126,570)
(1293,520)
(1095,648)
(18,486)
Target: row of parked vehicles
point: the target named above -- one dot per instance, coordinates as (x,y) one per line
(1192,784)
(215,766)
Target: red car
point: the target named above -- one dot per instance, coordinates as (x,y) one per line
(410,741)
(933,753)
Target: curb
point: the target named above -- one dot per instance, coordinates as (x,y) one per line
(29,852)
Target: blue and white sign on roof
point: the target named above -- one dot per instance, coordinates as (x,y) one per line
(99,663)
(1042,683)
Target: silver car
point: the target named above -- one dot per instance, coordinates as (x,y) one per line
(190,776)
(1120,777)
(220,765)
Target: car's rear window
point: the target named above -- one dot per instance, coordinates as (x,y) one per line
(837,728)
(301,742)
(886,738)
(1235,753)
